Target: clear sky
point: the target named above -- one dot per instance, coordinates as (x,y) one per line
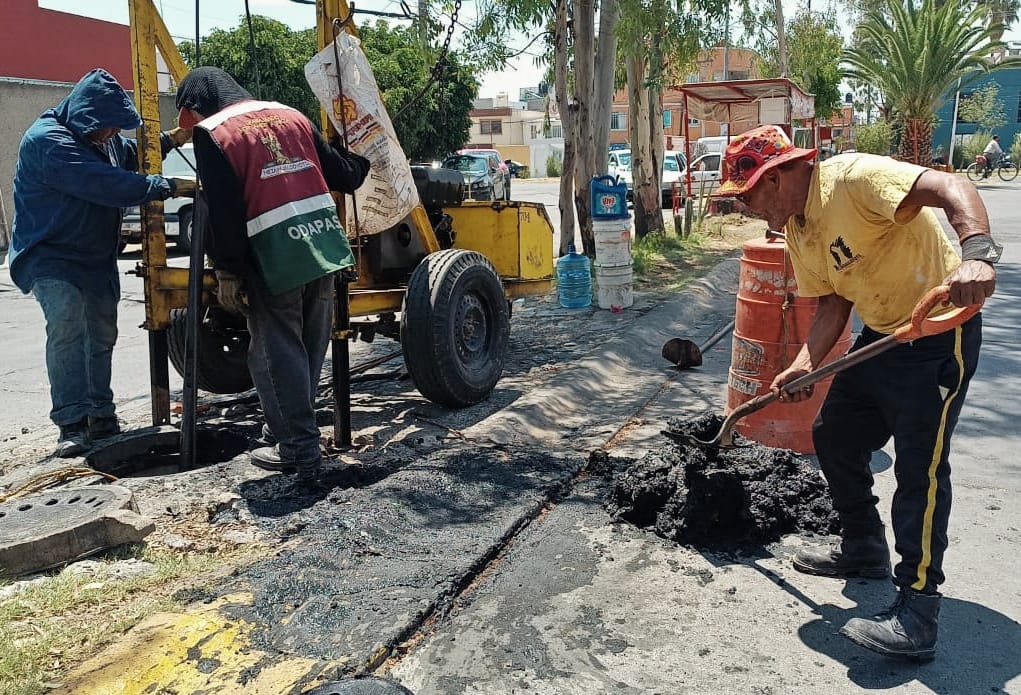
(179,16)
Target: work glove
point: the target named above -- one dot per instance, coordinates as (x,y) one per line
(230,292)
(179,136)
(183,188)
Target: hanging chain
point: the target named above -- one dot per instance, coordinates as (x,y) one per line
(437,70)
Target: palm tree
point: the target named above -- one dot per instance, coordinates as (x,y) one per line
(914,54)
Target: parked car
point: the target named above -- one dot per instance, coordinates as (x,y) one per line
(517,170)
(673,171)
(177,212)
(619,161)
(484,180)
(494,158)
(706,173)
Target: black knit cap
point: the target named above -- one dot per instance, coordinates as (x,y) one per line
(209,90)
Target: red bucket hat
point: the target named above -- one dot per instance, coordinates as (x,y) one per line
(751,153)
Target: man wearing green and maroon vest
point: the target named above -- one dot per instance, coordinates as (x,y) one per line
(275,242)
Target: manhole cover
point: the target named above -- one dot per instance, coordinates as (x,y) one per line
(51,528)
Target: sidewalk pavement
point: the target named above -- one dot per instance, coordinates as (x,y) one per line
(579,605)
(488,572)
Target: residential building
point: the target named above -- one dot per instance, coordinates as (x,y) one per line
(714,65)
(517,132)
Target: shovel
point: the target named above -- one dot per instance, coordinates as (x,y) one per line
(920,326)
(686,354)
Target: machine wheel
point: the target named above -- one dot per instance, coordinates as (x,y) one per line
(223,351)
(184,218)
(975,172)
(1007,171)
(455,327)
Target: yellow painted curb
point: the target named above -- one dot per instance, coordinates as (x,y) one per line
(198,652)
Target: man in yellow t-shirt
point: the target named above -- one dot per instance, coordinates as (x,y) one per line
(861,235)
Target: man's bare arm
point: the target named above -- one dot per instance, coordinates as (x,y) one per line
(975,279)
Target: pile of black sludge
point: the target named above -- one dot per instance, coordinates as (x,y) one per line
(716,499)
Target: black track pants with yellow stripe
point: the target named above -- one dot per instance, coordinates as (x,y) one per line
(913,393)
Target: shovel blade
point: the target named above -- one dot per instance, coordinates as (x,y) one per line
(683,353)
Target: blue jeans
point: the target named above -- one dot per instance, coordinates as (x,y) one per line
(81,329)
(290,332)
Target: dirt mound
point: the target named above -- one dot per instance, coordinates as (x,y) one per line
(748,495)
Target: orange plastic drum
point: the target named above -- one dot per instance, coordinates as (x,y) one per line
(770,328)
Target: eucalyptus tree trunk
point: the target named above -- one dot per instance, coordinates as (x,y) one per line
(560,58)
(657,137)
(605,88)
(648,214)
(781,39)
(584,84)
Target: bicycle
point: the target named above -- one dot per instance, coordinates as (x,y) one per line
(1005,169)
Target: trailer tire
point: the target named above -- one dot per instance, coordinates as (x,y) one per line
(455,328)
(222,358)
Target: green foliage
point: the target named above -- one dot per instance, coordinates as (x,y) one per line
(282,54)
(439,123)
(983,107)
(875,138)
(814,47)
(434,126)
(669,34)
(974,144)
(914,53)
(554,166)
(1015,149)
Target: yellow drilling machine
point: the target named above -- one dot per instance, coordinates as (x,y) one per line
(441,281)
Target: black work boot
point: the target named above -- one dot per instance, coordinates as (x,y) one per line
(103,427)
(853,556)
(74,439)
(906,630)
(268,459)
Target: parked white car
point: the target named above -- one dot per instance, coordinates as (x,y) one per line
(177,212)
(673,172)
(706,173)
(619,161)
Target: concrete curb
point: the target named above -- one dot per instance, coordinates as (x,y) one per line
(594,395)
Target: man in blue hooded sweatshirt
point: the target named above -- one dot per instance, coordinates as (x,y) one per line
(74,174)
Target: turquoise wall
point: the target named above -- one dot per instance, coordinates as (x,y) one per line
(1009,81)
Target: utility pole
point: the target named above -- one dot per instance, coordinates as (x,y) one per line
(726,45)
(953,125)
(198,61)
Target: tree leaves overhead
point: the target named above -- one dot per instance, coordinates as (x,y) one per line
(434,126)
(914,54)
(282,54)
(439,122)
(814,46)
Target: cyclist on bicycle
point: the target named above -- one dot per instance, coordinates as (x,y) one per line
(993,154)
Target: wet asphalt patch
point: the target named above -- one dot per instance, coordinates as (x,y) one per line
(716,499)
(375,562)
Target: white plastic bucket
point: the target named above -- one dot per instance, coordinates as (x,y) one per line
(614,286)
(613,241)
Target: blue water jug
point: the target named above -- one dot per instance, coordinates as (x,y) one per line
(574,280)
(609,198)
